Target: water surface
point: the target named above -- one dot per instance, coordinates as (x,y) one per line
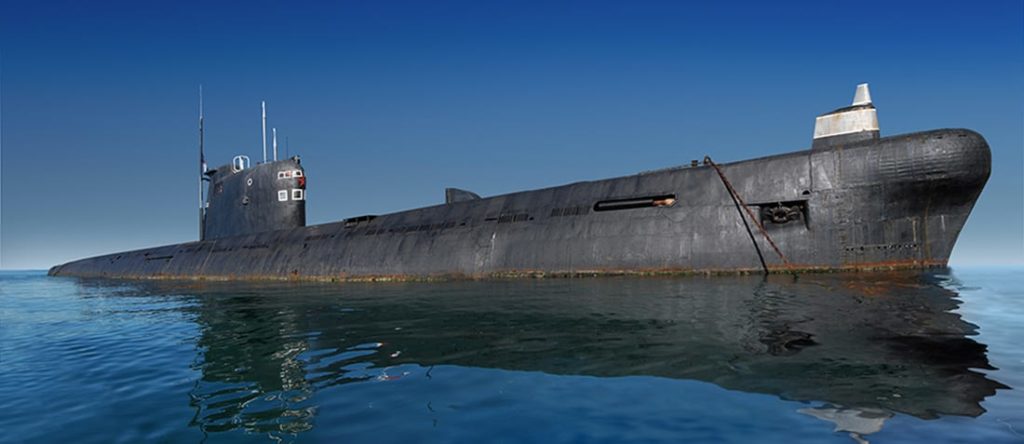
(890,357)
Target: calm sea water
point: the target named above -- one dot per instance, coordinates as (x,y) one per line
(896,357)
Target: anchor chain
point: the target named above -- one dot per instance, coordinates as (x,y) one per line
(740,203)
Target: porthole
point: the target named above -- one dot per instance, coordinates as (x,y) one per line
(249,182)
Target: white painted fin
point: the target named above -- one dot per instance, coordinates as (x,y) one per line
(859,117)
(863,95)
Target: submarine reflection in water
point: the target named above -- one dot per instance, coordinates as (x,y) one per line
(866,345)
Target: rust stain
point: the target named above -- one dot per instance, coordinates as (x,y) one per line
(868,286)
(757,223)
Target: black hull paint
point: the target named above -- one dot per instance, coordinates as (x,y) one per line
(894,202)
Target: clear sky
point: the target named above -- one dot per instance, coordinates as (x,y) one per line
(388,103)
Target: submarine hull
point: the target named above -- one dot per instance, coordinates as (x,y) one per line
(894,202)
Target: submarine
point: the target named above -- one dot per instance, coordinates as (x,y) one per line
(853,201)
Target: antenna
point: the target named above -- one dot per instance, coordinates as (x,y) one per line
(202,168)
(274,130)
(263,104)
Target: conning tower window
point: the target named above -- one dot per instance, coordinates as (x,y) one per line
(289,174)
(282,195)
(298,194)
(663,200)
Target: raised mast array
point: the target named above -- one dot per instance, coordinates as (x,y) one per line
(263,104)
(202,167)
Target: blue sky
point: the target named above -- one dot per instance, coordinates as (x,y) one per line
(388,103)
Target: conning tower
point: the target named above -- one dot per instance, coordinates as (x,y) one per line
(245,200)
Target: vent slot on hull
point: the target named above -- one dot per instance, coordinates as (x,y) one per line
(662,200)
(354,221)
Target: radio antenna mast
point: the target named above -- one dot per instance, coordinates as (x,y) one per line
(274,130)
(202,168)
(263,104)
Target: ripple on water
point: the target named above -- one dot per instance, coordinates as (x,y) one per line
(897,356)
